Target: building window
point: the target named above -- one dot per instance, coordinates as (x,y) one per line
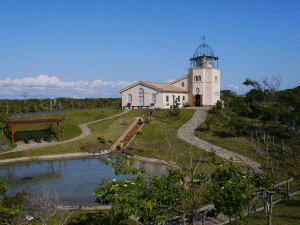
(199,78)
(153,99)
(178,99)
(196,78)
(167,98)
(182,84)
(216,78)
(183,98)
(129,98)
(197,90)
(141,96)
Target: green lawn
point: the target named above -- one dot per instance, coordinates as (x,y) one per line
(159,140)
(69,126)
(220,136)
(84,217)
(285,212)
(111,129)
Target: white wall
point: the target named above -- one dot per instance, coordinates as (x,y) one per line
(160,97)
(207,86)
(179,84)
(165,103)
(134,91)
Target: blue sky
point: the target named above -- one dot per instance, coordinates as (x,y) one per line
(95,48)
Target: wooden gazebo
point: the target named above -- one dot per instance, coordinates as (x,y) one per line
(49,122)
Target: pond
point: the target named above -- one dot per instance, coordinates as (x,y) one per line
(74,179)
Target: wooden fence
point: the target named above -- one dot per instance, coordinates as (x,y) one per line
(273,141)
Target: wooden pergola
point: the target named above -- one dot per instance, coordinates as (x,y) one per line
(49,122)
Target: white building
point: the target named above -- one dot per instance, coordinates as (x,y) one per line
(200,87)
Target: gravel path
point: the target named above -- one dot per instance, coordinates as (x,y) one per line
(21,146)
(186,133)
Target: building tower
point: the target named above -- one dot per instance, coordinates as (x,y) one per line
(204,77)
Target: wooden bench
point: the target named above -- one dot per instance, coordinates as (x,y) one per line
(139,106)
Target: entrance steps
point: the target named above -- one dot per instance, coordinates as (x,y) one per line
(127,136)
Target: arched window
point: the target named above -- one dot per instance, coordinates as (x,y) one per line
(216,78)
(141,96)
(129,98)
(199,78)
(196,78)
(153,99)
(197,90)
(182,84)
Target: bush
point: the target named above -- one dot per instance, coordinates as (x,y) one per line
(175,112)
(110,140)
(124,123)
(237,126)
(208,122)
(139,132)
(212,152)
(101,137)
(219,105)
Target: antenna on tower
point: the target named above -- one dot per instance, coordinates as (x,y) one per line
(25,94)
(203,38)
(41,98)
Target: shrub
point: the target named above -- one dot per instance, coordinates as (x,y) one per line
(212,152)
(101,137)
(139,132)
(142,148)
(219,105)
(207,123)
(213,159)
(175,112)
(124,123)
(110,140)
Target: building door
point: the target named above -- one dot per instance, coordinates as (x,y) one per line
(198,100)
(141,97)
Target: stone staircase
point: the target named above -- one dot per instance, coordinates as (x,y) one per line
(129,136)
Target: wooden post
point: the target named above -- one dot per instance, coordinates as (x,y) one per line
(51,128)
(282,145)
(294,153)
(256,131)
(271,207)
(203,217)
(58,123)
(273,140)
(12,134)
(288,190)
(7,128)
(264,136)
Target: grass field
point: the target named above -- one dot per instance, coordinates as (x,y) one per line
(220,135)
(285,212)
(69,126)
(84,217)
(159,140)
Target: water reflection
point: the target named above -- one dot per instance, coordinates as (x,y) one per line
(73,179)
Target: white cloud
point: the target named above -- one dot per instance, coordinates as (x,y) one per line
(91,91)
(51,85)
(5,82)
(168,81)
(232,86)
(41,81)
(100,83)
(12,88)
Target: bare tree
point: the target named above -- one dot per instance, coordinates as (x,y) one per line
(44,204)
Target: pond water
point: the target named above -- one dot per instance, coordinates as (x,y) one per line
(73,179)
